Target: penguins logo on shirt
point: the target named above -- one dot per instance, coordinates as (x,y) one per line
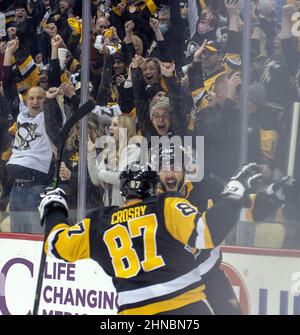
(191,48)
(25,134)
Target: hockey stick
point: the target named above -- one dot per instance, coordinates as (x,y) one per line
(78,115)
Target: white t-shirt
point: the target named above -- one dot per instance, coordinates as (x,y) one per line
(32,148)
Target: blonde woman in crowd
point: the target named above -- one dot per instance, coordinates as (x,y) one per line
(105,168)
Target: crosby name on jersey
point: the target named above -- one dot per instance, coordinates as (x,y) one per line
(127,214)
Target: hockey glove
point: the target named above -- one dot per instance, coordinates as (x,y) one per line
(241,185)
(52,198)
(282,189)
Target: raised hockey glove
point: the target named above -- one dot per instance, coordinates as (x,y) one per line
(282,190)
(242,183)
(52,198)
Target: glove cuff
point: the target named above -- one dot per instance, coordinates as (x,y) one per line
(51,201)
(234,190)
(62,207)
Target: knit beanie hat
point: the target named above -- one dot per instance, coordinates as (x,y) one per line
(162,103)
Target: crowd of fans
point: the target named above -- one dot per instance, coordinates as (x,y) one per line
(157,67)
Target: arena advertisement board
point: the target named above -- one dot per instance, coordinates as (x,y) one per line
(266,281)
(68,288)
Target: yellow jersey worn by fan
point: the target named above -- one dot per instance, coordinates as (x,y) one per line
(151,247)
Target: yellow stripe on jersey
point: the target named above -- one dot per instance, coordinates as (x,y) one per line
(69,243)
(188,188)
(197,92)
(26,65)
(210,203)
(164,85)
(64,78)
(200,94)
(75,25)
(180,223)
(32,79)
(208,243)
(168,305)
(5,155)
(151,6)
(203,239)
(48,244)
(116,10)
(73,66)
(10,16)
(232,62)
(22,89)
(29,72)
(210,81)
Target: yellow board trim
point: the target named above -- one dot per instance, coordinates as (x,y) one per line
(184,299)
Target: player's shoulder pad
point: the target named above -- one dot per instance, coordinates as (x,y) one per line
(161,198)
(178,201)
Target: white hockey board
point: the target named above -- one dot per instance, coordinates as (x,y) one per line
(265,281)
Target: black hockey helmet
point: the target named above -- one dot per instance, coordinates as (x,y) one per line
(138,181)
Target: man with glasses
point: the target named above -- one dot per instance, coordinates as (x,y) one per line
(160,116)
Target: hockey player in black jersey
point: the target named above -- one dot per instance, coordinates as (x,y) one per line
(204,195)
(219,292)
(152,247)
